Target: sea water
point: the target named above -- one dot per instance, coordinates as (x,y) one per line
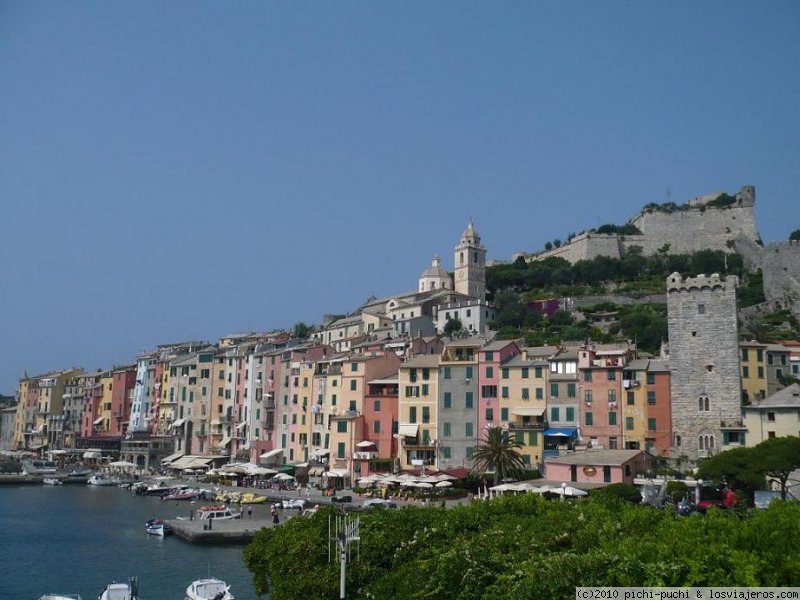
(76,539)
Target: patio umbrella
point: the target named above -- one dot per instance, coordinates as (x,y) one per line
(262,471)
(283,477)
(446,477)
(423,484)
(122,464)
(365,444)
(444,484)
(568,491)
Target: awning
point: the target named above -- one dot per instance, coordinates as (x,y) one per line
(179,422)
(561,432)
(241,426)
(321,452)
(271,453)
(225,441)
(171,458)
(92,454)
(182,463)
(527,411)
(409,430)
(316,471)
(99,420)
(365,444)
(342,473)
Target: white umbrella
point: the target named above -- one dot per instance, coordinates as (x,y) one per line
(444,484)
(446,477)
(568,491)
(365,444)
(423,484)
(262,471)
(283,477)
(188,470)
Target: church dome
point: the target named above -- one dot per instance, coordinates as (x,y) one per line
(435,270)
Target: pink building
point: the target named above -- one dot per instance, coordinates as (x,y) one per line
(381,410)
(491,358)
(597,466)
(123,382)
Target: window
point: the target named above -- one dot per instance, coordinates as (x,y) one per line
(612,395)
(771,417)
(489,355)
(628,423)
(651,398)
(446,452)
(489,372)
(554,414)
(701,309)
(570,413)
(703,403)
(504,372)
(612,418)
(570,390)
(504,414)
(426,374)
(587,375)
(447,373)
(448,400)
(537,372)
(606,474)
(412,414)
(760,355)
(525,372)
(770,358)
(353,385)
(488,391)
(352,405)
(490,414)
(677,441)
(745,355)
(340,450)
(468,400)
(745,372)
(761,372)
(589,417)
(426,414)
(469,372)
(468,430)
(446,430)
(526,394)
(651,379)
(504,391)
(376,427)
(612,443)
(612,374)
(424,389)
(554,390)
(539,393)
(631,398)
(341,426)
(588,396)
(333,399)
(412,375)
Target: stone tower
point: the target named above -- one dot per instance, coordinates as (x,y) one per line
(470,264)
(704,363)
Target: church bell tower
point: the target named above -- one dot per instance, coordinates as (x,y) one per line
(470,264)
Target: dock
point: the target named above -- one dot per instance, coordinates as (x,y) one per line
(216,531)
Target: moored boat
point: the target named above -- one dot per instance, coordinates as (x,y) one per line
(61,597)
(209,589)
(52,481)
(180,494)
(217,512)
(251,498)
(157,527)
(121,591)
(99,480)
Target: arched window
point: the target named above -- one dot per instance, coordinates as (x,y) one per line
(461,258)
(677,441)
(701,443)
(703,403)
(475,258)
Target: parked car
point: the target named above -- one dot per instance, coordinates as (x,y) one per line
(298,503)
(379,502)
(341,499)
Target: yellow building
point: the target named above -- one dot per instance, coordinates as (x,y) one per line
(418,411)
(104,413)
(753,369)
(634,405)
(523,404)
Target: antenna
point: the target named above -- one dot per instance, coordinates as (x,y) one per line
(343,534)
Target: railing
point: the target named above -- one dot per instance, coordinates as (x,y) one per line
(737,424)
(530,425)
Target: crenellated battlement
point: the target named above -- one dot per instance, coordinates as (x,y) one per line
(676,283)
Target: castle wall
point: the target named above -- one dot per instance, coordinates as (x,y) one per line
(585,246)
(704,359)
(780,264)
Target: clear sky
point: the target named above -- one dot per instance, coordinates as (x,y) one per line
(183,170)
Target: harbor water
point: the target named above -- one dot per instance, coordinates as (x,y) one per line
(75,539)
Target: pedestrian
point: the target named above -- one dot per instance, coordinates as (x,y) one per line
(275,519)
(250,512)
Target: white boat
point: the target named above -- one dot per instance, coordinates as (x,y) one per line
(218,513)
(61,597)
(52,481)
(121,591)
(209,589)
(99,480)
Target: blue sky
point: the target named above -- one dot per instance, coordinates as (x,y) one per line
(184,170)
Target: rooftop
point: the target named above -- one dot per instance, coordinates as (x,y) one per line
(596,457)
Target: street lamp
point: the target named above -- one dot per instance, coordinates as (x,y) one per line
(697,489)
(563,490)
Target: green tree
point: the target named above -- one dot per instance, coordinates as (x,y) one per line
(760,330)
(301,330)
(736,467)
(778,457)
(498,453)
(795,235)
(453,326)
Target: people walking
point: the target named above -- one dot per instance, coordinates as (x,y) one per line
(275,518)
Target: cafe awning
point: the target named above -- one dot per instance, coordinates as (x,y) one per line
(225,441)
(561,432)
(527,411)
(341,473)
(409,430)
(99,420)
(271,454)
(179,422)
(171,458)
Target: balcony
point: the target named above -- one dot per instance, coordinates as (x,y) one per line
(410,443)
(527,426)
(225,419)
(733,425)
(364,455)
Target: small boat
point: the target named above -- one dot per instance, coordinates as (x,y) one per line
(251,498)
(217,512)
(61,597)
(52,481)
(209,589)
(180,494)
(158,527)
(99,480)
(121,591)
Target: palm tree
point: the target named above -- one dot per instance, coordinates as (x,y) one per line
(500,454)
